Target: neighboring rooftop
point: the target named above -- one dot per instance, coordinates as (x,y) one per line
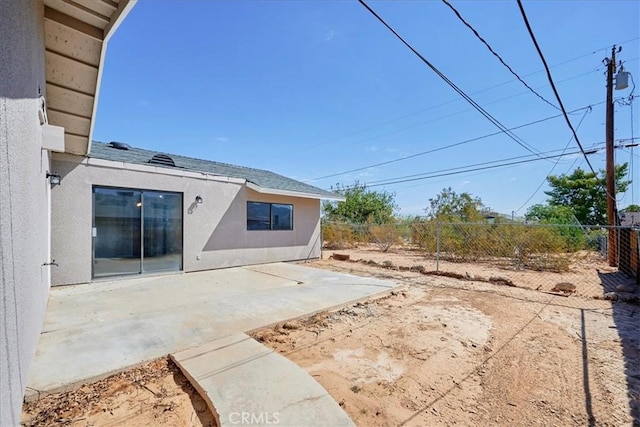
(630,219)
(125,153)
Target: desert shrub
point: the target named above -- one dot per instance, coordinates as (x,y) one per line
(404,227)
(575,238)
(538,248)
(338,235)
(593,238)
(422,233)
(384,236)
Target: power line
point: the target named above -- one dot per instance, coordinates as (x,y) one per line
(606,48)
(395,131)
(592,150)
(631,153)
(489,162)
(554,165)
(475,105)
(334,139)
(451,145)
(452,172)
(553,86)
(479,37)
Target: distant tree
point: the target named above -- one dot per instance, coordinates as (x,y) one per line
(585,193)
(550,214)
(632,208)
(451,206)
(362,205)
(573,237)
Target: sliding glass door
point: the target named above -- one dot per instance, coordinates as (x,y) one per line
(116,231)
(162,231)
(136,231)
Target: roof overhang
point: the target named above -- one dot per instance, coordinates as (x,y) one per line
(76,36)
(112,164)
(305,195)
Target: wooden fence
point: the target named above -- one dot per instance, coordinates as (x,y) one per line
(629,240)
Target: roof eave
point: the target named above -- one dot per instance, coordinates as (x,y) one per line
(124,7)
(279,192)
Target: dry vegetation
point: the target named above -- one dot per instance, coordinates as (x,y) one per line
(154,394)
(540,248)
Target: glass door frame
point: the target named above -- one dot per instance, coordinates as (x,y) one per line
(143,235)
(141,270)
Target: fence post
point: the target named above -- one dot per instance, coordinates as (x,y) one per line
(437,246)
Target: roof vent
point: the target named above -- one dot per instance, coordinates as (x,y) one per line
(162,159)
(119,145)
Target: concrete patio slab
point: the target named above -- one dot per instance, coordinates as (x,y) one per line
(96,329)
(245,383)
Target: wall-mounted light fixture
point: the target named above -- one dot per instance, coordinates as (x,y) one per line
(54,178)
(198,200)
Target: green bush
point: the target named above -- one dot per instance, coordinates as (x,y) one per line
(422,233)
(338,235)
(534,247)
(384,236)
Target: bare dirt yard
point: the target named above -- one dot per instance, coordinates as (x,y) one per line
(458,349)
(154,394)
(587,270)
(441,351)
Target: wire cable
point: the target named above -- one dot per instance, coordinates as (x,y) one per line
(457,170)
(413,126)
(488,46)
(451,145)
(592,150)
(553,86)
(334,139)
(566,147)
(451,172)
(475,105)
(526,156)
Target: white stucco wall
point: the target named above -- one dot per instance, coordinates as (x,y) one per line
(215,234)
(24,192)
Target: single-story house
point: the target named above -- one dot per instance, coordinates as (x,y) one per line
(123,211)
(115,211)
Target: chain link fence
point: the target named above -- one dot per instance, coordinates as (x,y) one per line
(568,259)
(561,260)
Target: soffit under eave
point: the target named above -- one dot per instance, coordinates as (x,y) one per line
(76,32)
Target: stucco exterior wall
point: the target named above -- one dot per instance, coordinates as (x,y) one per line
(215,233)
(24,199)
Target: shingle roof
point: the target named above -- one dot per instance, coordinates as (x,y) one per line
(262,178)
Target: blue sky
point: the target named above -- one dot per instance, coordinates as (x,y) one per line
(315,88)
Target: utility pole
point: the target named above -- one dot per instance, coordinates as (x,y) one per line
(612,220)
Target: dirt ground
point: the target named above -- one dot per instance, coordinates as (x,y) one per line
(437,351)
(588,271)
(154,394)
(441,351)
